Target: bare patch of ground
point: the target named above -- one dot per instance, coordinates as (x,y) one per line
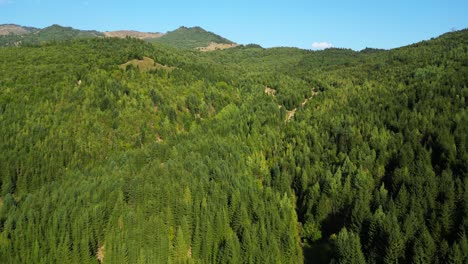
(100,254)
(146,64)
(159,139)
(120,222)
(290,114)
(217,46)
(269,91)
(12,29)
(133,34)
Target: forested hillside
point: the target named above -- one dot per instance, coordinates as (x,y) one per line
(191,38)
(183,38)
(245,155)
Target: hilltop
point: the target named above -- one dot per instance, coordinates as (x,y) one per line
(58,33)
(7,29)
(183,37)
(19,35)
(192,38)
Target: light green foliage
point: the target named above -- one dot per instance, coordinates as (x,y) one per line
(349,248)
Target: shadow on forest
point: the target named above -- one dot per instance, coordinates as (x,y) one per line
(319,252)
(322,250)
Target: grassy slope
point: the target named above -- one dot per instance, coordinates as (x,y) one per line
(6,29)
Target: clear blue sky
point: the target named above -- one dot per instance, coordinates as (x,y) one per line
(348,24)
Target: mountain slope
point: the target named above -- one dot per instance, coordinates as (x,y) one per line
(187,38)
(191,38)
(109,156)
(58,33)
(132,34)
(7,29)
(210,219)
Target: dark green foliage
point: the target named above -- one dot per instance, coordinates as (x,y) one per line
(194,163)
(190,38)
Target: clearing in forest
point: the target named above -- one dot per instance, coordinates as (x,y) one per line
(290,114)
(217,46)
(146,64)
(132,34)
(100,254)
(270,91)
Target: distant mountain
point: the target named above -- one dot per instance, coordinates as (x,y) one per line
(20,36)
(183,37)
(57,32)
(132,34)
(192,38)
(7,29)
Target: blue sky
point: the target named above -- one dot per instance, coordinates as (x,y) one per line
(347,24)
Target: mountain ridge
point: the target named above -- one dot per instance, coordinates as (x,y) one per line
(182,37)
(195,37)
(191,38)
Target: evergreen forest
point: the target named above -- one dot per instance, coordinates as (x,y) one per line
(127,151)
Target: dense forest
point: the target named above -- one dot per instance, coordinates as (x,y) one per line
(243,155)
(190,38)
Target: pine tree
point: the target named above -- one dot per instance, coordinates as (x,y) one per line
(348,248)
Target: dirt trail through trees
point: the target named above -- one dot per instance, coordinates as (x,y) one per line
(290,114)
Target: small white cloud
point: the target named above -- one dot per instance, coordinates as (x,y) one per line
(321,45)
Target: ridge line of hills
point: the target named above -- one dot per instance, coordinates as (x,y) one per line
(183,37)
